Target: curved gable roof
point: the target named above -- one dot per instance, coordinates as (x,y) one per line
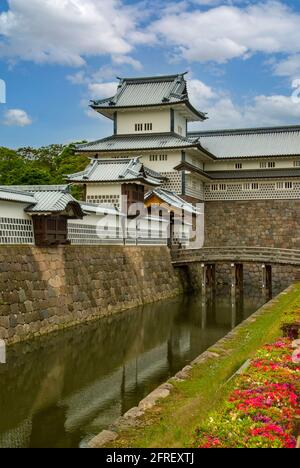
(147,92)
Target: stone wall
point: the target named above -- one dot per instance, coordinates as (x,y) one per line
(265,223)
(42,290)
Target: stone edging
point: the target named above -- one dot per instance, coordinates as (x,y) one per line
(132,418)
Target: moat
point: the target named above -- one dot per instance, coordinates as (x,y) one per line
(62,389)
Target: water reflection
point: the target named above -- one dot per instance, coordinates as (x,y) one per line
(62,389)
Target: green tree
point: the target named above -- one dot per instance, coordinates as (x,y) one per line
(12,166)
(41,166)
(68,162)
(35,176)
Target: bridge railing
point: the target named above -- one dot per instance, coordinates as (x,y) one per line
(238,254)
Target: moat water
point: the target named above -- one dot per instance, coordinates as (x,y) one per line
(61,390)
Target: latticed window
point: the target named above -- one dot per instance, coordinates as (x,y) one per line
(238,166)
(158,157)
(138,127)
(251,186)
(153,157)
(218,187)
(267,165)
(284,185)
(16,231)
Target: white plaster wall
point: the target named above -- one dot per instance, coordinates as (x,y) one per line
(160,119)
(174,158)
(103,189)
(180,121)
(250,164)
(194,187)
(92,220)
(194,160)
(13,210)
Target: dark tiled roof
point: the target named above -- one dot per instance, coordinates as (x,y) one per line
(251,142)
(148,91)
(42,199)
(157,141)
(117,170)
(172,199)
(8,193)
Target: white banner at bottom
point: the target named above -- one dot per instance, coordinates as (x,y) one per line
(2,352)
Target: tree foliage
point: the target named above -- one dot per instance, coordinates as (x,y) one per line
(46,165)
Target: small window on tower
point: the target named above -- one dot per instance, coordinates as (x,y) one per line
(153,157)
(138,127)
(267,165)
(239,166)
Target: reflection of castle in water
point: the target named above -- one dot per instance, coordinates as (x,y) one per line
(87,377)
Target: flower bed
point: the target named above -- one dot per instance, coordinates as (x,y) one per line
(262,410)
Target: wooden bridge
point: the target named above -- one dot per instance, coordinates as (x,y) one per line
(262,255)
(237,257)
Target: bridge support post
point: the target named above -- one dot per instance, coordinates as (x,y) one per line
(237,276)
(208,277)
(267,280)
(204,313)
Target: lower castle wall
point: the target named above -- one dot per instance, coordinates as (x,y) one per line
(42,290)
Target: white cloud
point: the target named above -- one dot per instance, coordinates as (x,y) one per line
(199,93)
(289,67)
(126,60)
(78,78)
(263,110)
(16,118)
(97,91)
(102,90)
(225,32)
(68,31)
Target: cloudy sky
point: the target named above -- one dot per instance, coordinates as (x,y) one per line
(243,59)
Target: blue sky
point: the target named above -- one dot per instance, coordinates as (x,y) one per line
(243,59)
